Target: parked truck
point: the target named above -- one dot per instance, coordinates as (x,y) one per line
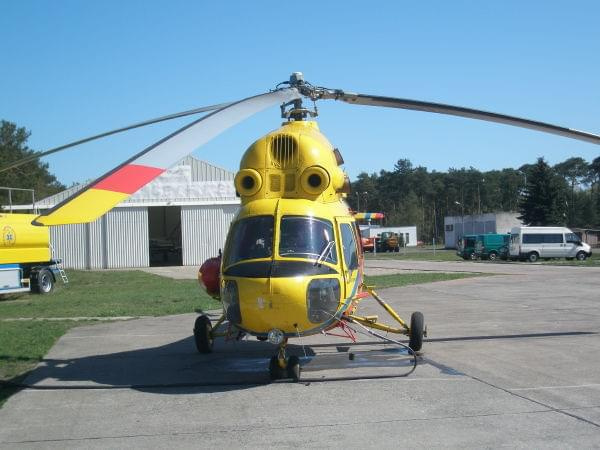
(492,246)
(26,261)
(388,241)
(466,247)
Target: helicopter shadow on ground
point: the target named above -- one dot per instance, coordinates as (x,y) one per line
(177,367)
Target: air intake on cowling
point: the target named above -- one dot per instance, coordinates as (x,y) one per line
(284,152)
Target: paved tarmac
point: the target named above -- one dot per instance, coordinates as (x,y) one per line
(511,361)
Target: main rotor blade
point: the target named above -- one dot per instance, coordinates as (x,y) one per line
(115,186)
(439,108)
(109,133)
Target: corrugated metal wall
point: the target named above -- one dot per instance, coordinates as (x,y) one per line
(203,231)
(96,249)
(127,243)
(70,244)
(119,239)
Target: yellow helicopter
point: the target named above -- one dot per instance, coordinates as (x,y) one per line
(292,264)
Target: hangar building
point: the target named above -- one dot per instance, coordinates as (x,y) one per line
(180,218)
(457,226)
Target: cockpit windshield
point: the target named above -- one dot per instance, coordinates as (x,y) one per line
(250,238)
(307,237)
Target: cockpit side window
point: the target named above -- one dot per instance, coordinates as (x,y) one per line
(349,246)
(249,238)
(306,237)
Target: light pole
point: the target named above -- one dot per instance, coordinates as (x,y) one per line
(434,227)
(524,182)
(358,194)
(462,217)
(480,210)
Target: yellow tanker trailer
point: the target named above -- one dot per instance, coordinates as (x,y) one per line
(25,256)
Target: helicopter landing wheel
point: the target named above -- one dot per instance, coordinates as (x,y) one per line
(417,330)
(293,368)
(275,370)
(203,334)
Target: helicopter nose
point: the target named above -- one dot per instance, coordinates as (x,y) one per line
(273,303)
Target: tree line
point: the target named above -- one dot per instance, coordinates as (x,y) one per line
(34,175)
(567,194)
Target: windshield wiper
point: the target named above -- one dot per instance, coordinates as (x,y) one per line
(325,253)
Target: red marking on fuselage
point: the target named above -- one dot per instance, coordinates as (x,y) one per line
(128,179)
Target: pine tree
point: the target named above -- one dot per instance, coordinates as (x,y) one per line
(543,202)
(33,175)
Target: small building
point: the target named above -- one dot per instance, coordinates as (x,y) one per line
(589,236)
(457,226)
(180,218)
(408,233)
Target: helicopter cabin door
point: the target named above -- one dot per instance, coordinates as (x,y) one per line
(348,247)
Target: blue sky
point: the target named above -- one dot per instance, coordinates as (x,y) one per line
(71,68)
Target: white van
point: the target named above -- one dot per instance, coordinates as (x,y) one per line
(533,243)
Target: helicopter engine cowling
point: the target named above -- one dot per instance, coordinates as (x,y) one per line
(210,276)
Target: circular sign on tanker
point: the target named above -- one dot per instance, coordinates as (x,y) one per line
(8,236)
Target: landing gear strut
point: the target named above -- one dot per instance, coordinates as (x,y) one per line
(281,367)
(416,331)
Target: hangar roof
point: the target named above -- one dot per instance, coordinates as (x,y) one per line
(189,182)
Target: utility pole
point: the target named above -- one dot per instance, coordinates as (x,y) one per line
(434,228)
(462,217)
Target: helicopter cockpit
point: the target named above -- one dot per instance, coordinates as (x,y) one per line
(252,239)
(300,237)
(307,237)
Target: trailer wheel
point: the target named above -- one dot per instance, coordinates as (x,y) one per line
(493,256)
(44,282)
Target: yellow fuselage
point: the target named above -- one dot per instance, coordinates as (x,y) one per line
(273,285)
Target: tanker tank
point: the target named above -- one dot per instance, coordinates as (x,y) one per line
(21,242)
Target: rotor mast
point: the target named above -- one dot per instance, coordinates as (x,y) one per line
(297,111)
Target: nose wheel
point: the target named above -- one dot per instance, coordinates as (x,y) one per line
(203,334)
(282,367)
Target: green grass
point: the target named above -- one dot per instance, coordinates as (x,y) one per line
(593,261)
(24,343)
(23,346)
(110,294)
(404,279)
(419,254)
